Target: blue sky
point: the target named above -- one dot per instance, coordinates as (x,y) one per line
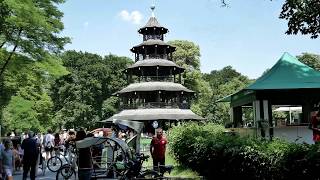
(248,35)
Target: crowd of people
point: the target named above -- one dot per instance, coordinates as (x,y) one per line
(24,151)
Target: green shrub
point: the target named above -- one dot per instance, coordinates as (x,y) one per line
(210,151)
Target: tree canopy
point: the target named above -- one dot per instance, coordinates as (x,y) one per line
(24,95)
(312,60)
(30,27)
(84,96)
(223,82)
(187,55)
(302,16)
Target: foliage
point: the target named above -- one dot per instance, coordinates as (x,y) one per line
(223,83)
(302,16)
(187,55)
(27,82)
(83,97)
(212,152)
(312,60)
(110,107)
(19,114)
(30,27)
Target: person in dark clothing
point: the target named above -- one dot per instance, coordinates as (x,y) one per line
(85,162)
(315,127)
(31,153)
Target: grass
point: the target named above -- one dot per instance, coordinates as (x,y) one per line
(178,171)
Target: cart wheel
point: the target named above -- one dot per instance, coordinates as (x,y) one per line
(149,174)
(54,163)
(66,172)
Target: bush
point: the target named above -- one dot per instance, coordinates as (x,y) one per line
(210,151)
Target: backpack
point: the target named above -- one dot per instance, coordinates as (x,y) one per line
(48,144)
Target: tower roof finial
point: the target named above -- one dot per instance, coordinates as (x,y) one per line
(153,6)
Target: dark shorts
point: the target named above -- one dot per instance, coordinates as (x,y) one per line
(48,149)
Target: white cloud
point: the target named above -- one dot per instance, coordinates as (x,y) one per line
(134,17)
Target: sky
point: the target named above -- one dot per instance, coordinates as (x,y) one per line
(247,35)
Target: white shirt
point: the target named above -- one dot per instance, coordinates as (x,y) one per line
(49,138)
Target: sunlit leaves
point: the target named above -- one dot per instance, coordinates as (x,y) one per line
(303,16)
(82,98)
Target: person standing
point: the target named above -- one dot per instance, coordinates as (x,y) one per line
(48,143)
(85,167)
(7,160)
(158,149)
(31,153)
(315,126)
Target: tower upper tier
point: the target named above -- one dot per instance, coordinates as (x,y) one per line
(153,27)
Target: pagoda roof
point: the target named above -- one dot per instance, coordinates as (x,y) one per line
(154,86)
(155,114)
(151,42)
(154,62)
(153,23)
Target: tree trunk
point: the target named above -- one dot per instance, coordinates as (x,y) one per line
(10,55)
(7,60)
(2,44)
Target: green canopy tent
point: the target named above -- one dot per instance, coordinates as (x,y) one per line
(288,82)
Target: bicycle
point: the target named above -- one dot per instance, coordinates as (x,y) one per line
(136,171)
(66,172)
(54,163)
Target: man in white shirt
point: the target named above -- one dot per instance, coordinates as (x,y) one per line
(48,144)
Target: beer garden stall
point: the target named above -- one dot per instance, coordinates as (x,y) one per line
(288,83)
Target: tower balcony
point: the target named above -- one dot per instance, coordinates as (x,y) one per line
(154,56)
(151,105)
(158,79)
(154,67)
(153,36)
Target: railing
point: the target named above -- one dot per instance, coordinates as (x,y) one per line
(151,105)
(156,78)
(147,37)
(153,56)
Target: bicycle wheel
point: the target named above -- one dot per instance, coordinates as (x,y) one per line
(66,172)
(54,163)
(149,174)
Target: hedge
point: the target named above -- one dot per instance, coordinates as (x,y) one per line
(209,150)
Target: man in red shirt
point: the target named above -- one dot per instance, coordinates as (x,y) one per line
(158,149)
(315,122)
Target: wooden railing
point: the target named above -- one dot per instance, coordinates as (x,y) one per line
(150,105)
(156,78)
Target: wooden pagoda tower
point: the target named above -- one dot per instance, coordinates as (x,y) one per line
(155,92)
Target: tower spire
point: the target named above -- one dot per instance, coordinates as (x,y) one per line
(153,6)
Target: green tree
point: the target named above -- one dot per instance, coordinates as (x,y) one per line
(30,27)
(19,114)
(80,98)
(224,82)
(312,60)
(187,55)
(26,89)
(303,16)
